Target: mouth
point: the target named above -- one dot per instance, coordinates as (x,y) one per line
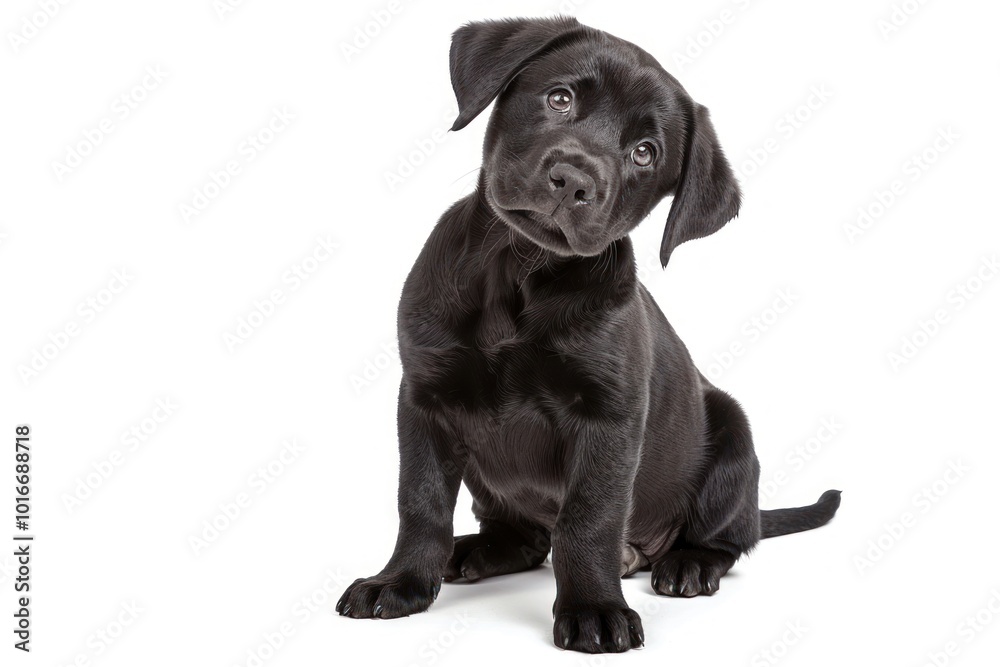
(539,228)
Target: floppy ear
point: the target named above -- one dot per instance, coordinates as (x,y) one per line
(707,195)
(487,55)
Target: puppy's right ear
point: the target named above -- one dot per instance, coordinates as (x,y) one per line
(487,55)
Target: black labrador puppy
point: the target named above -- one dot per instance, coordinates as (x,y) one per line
(539,371)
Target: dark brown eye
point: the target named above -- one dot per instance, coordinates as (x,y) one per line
(643,154)
(560,100)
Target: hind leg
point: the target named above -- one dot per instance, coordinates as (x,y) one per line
(504,545)
(725,519)
(498,548)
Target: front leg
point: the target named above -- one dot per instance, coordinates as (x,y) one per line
(429,477)
(591,614)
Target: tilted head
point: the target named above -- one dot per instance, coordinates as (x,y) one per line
(588,134)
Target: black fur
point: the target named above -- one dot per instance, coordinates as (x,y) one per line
(539,371)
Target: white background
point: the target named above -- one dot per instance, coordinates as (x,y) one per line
(892,580)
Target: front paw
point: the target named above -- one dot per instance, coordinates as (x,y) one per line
(598,629)
(388,596)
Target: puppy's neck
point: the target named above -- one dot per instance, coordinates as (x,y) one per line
(497,247)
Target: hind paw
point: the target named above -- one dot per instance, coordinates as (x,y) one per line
(689,572)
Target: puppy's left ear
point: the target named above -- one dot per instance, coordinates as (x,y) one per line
(707,194)
(487,55)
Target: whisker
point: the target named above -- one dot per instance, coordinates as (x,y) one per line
(465,174)
(483,257)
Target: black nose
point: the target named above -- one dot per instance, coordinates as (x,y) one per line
(566,180)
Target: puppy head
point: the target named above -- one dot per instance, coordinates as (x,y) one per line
(588,134)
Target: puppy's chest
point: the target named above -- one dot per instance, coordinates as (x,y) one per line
(505,364)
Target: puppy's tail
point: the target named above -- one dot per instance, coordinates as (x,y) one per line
(796,519)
